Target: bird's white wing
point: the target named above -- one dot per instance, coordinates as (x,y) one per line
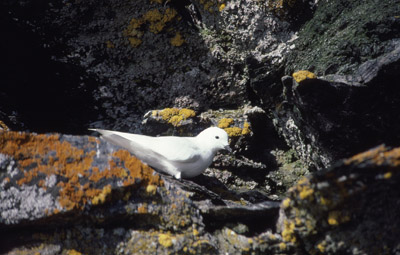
(151,149)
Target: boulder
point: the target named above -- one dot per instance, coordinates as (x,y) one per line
(349,208)
(78,194)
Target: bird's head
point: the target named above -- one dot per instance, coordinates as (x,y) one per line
(216,138)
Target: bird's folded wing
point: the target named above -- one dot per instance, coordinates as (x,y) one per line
(177,149)
(172,149)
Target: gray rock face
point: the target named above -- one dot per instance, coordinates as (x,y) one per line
(345,209)
(336,116)
(106,64)
(54,189)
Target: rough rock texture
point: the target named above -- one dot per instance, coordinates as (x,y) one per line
(60,194)
(153,54)
(350,208)
(353,48)
(336,116)
(297,84)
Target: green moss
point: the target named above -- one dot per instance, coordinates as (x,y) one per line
(340,36)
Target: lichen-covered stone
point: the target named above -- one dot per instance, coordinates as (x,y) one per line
(46,175)
(344,34)
(348,207)
(336,116)
(81,195)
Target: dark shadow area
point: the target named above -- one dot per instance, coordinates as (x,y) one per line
(36,93)
(258,218)
(30,233)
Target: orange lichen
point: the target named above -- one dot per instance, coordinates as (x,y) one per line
(3,126)
(137,169)
(142,208)
(39,156)
(378,156)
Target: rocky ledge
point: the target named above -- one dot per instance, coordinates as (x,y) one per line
(62,194)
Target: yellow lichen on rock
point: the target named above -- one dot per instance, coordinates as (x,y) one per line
(246,128)
(208,5)
(225,122)
(175,116)
(286,203)
(304,189)
(303,75)
(177,40)
(221,7)
(282,246)
(101,198)
(134,42)
(335,218)
(167,113)
(233,131)
(321,247)
(165,240)
(156,21)
(387,175)
(110,44)
(73,252)
(288,231)
(151,189)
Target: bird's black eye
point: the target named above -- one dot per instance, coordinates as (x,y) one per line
(216,137)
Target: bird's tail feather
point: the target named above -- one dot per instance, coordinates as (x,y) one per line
(114,138)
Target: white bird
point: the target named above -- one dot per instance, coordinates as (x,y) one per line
(178,156)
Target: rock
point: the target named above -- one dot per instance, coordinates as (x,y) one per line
(53,176)
(349,208)
(128,58)
(71,194)
(344,34)
(336,116)
(298,85)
